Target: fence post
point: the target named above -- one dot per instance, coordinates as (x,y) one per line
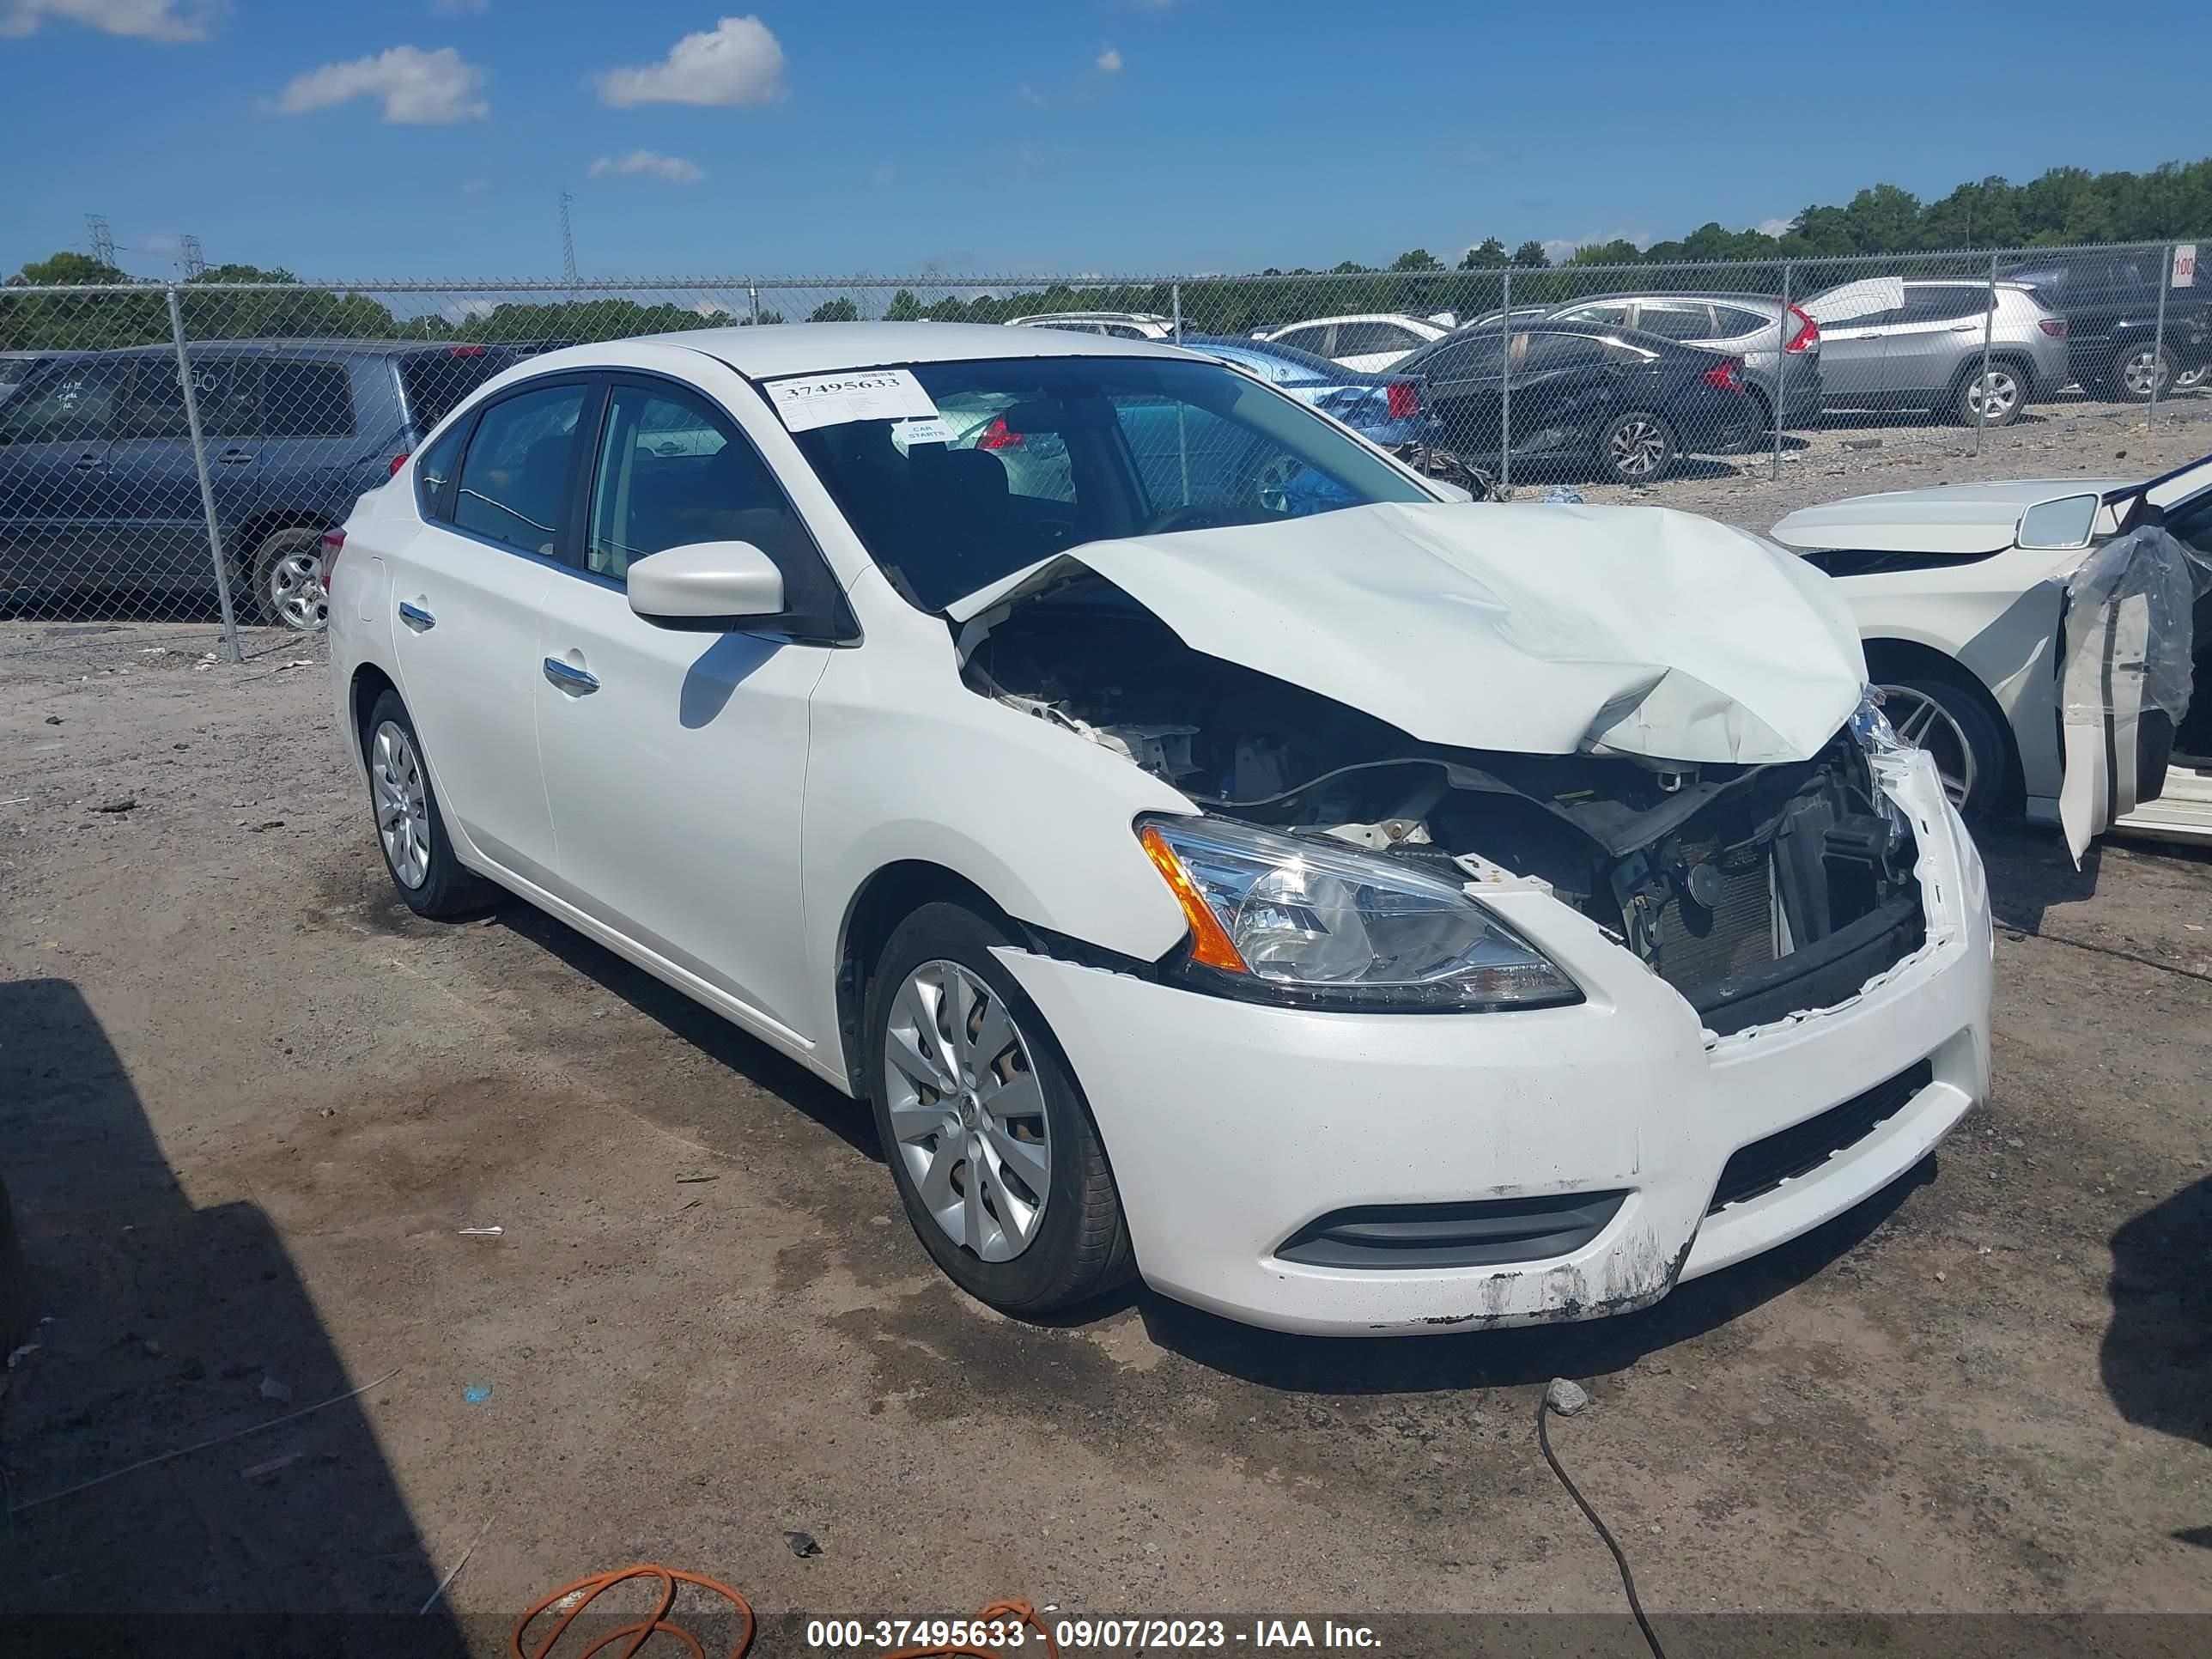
(752,298)
(1505,389)
(206,484)
(1781,370)
(2158,335)
(1175,290)
(1989,327)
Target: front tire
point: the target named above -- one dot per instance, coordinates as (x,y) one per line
(418,853)
(994,1155)
(1959,733)
(1994,398)
(1636,448)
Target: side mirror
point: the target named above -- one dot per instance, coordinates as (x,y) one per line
(706,586)
(2064,523)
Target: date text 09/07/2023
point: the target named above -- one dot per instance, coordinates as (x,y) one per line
(1131,1635)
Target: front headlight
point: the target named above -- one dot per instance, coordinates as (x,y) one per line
(1292,919)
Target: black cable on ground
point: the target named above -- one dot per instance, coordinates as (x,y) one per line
(1628,1578)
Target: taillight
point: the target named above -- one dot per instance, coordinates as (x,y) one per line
(1807,335)
(1724,377)
(333,544)
(2054,327)
(397,461)
(1405,400)
(464,351)
(998,436)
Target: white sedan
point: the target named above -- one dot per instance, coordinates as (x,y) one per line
(2041,678)
(1369,342)
(1217,855)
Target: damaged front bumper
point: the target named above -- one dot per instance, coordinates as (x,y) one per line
(1273,1163)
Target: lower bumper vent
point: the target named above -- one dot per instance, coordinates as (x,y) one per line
(1488,1233)
(1804,1148)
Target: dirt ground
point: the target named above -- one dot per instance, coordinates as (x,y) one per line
(247,1103)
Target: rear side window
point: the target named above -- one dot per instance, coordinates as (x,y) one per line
(1942,305)
(304,400)
(435,382)
(1612,315)
(1677,319)
(1368,339)
(515,477)
(1731,321)
(226,389)
(1469,360)
(1546,353)
(1314,340)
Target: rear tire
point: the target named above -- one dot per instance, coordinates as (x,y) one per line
(288,581)
(1950,722)
(1636,448)
(1997,402)
(1054,1235)
(410,826)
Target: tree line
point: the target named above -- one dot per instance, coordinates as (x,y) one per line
(2065,205)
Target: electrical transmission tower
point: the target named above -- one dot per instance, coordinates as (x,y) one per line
(103,239)
(188,250)
(567,243)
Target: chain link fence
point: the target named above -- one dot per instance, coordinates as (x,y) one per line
(176,451)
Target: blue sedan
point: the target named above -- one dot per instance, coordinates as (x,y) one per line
(1383,409)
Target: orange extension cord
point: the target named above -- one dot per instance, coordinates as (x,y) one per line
(641,1632)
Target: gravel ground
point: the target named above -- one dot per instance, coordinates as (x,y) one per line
(247,1103)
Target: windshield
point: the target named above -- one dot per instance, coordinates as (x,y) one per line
(1030,457)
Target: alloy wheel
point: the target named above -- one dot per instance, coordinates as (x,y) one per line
(1994,396)
(1636,448)
(295,595)
(1924,723)
(967,1111)
(2143,372)
(403,804)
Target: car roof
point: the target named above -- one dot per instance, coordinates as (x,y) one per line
(1714,294)
(780,348)
(320,347)
(1975,517)
(1366,317)
(1327,369)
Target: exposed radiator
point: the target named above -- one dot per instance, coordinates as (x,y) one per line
(1695,946)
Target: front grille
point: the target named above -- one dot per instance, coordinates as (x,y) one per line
(1482,1233)
(1804,1148)
(1697,946)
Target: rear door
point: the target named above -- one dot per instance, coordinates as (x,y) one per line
(1938,328)
(55,510)
(675,762)
(1463,384)
(465,594)
(153,479)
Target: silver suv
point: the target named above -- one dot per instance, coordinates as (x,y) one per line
(1890,343)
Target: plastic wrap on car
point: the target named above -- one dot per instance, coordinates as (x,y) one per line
(2152,644)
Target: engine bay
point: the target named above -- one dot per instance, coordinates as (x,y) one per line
(1752,889)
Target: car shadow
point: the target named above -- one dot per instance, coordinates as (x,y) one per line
(159,1326)
(2030,872)
(706,1031)
(2157,1350)
(1520,1355)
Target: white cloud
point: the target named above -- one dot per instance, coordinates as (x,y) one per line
(419,88)
(674,169)
(1109,61)
(461,311)
(712,308)
(1774,227)
(137,20)
(161,243)
(738,62)
(1030,95)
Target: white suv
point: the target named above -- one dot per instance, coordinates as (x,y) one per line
(1214,856)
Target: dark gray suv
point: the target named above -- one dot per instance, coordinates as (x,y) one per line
(99,493)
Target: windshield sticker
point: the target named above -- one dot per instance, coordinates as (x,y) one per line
(931,431)
(868,394)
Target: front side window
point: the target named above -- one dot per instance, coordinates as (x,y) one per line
(78,402)
(515,473)
(1315,339)
(226,390)
(1080,450)
(672,471)
(1372,339)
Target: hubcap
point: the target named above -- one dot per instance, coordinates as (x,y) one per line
(403,804)
(1992,396)
(295,588)
(2142,372)
(1637,446)
(1921,721)
(967,1113)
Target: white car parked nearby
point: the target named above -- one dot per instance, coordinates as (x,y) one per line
(1369,342)
(1120,324)
(1961,595)
(1217,855)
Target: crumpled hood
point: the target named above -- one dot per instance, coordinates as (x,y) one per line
(1540,628)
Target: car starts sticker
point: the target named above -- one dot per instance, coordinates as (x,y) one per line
(869,394)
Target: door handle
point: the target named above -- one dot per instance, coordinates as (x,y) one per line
(85,462)
(416,618)
(1965,328)
(235,457)
(571,678)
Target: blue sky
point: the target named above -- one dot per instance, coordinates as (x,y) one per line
(429,138)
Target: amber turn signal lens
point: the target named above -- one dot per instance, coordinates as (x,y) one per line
(1210,941)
